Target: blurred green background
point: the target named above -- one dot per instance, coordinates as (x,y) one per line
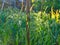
(44,24)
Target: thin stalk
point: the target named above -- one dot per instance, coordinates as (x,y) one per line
(27,21)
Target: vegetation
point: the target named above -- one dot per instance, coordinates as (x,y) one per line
(39,26)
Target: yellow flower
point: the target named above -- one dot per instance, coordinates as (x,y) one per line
(57,15)
(52,14)
(33,1)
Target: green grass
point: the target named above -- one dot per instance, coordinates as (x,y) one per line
(43,31)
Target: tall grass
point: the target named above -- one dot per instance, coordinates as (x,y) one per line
(43,31)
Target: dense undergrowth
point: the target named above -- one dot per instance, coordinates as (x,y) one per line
(44,30)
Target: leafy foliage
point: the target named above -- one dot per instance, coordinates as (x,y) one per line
(43,29)
(44,24)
